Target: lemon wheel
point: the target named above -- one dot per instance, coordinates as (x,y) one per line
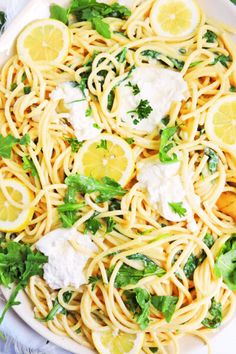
(109,342)
(44,42)
(106,155)
(12,218)
(221,123)
(175,18)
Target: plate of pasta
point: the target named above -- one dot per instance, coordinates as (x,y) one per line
(118,174)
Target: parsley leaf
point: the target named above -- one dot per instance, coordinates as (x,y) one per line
(128,275)
(8,142)
(27,90)
(216,316)
(213,160)
(74,143)
(57,308)
(232,88)
(28,165)
(134,87)
(178,208)
(13,86)
(142,111)
(167,144)
(223,59)
(121,57)
(110,224)
(110,100)
(59,13)
(138,301)
(107,187)
(3,19)
(18,263)
(153,54)
(225,264)
(101,27)
(94,280)
(210,36)
(92,224)
(130,141)
(166,305)
(102,145)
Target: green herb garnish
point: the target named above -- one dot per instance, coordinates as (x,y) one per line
(213,160)
(215,319)
(29,166)
(8,142)
(166,305)
(138,301)
(210,36)
(134,87)
(142,111)
(102,145)
(167,144)
(178,208)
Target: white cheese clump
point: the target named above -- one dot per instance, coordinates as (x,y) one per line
(77,105)
(163,185)
(65,264)
(160,87)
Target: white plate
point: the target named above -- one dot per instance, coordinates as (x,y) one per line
(225,340)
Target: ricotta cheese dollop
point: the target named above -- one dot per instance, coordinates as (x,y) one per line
(76,104)
(65,264)
(160,87)
(163,185)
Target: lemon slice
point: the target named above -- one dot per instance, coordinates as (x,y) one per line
(175,18)
(221,122)
(44,41)
(106,155)
(109,342)
(13,219)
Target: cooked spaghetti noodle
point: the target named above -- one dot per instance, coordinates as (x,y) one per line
(139,229)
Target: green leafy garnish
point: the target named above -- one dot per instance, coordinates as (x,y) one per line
(130,141)
(178,208)
(8,142)
(29,166)
(193,261)
(233,1)
(232,88)
(128,275)
(102,145)
(13,86)
(93,280)
(18,263)
(166,305)
(134,87)
(27,90)
(142,111)
(3,19)
(223,59)
(213,160)
(167,144)
(88,112)
(92,224)
(121,57)
(59,13)
(210,36)
(110,224)
(165,121)
(74,143)
(24,77)
(182,50)
(153,54)
(138,301)
(110,100)
(195,63)
(215,319)
(225,264)
(153,349)
(107,187)
(57,308)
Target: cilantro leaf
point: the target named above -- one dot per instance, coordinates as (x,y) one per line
(215,319)
(210,36)
(166,305)
(18,263)
(107,187)
(142,111)
(29,166)
(59,13)
(178,208)
(92,224)
(128,275)
(138,301)
(213,160)
(8,142)
(225,264)
(166,145)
